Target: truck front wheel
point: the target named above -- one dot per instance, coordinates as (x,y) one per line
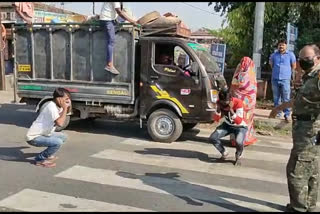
(164,126)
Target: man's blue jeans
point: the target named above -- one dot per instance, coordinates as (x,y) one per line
(53,143)
(281,93)
(109,27)
(225,129)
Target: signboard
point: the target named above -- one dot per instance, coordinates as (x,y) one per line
(219,52)
(24,68)
(292,35)
(48,17)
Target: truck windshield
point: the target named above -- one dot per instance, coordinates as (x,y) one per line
(205,57)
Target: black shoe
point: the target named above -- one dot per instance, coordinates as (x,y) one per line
(286,118)
(289,208)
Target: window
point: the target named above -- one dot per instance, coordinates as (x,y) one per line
(172,60)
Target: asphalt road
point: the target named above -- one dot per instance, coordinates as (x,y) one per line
(113,166)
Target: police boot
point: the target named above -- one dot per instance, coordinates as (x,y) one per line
(289,208)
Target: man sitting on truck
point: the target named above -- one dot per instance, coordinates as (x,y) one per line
(108,16)
(232,110)
(42,131)
(167,59)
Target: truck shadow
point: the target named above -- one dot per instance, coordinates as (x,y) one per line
(23,115)
(130,129)
(195,194)
(16,154)
(125,129)
(17,114)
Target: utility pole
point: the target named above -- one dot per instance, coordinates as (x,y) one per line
(2,68)
(258,36)
(93,8)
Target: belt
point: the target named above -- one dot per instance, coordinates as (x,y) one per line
(303,117)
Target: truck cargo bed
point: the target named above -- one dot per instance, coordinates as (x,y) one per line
(73,56)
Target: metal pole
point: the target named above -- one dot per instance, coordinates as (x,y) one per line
(93,8)
(2,68)
(258,36)
(15,65)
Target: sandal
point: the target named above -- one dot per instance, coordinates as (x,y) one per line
(45,163)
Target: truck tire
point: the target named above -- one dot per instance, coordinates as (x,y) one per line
(188,126)
(65,124)
(148,17)
(164,126)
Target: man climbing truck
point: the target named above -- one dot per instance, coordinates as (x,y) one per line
(72,56)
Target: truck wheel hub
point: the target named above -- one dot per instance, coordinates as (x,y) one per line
(164,126)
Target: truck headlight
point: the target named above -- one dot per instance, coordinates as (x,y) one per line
(214,95)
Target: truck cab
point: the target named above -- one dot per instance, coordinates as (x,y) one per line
(176,93)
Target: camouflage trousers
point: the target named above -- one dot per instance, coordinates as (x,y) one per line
(303,181)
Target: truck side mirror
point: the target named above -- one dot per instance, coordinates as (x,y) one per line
(195,68)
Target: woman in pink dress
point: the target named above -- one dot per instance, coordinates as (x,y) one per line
(244,87)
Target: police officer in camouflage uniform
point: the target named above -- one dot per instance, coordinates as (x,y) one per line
(302,167)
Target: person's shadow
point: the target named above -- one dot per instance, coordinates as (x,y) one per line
(193,193)
(181,153)
(15,154)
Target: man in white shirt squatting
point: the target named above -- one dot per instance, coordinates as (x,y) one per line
(42,131)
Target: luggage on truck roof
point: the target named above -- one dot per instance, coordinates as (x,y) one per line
(167,25)
(173,30)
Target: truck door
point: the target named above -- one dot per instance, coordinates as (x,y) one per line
(172,78)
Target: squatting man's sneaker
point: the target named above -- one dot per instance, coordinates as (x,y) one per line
(224,155)
(237,161)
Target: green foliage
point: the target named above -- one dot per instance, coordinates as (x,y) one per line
(308,24)
(240,18)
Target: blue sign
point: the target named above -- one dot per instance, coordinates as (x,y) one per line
(292,35)
(219,52)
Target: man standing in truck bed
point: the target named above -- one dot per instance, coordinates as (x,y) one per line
(108,16)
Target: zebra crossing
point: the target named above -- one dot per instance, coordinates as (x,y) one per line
(184,173)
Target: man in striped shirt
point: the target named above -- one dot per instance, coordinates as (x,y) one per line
(231,109)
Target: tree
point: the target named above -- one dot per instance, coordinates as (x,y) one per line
(240,18)
(308,24)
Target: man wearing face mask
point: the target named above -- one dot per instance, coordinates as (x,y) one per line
(282,62)
(302,167)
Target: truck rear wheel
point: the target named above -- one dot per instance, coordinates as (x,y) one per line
(164,126)
(65,124)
